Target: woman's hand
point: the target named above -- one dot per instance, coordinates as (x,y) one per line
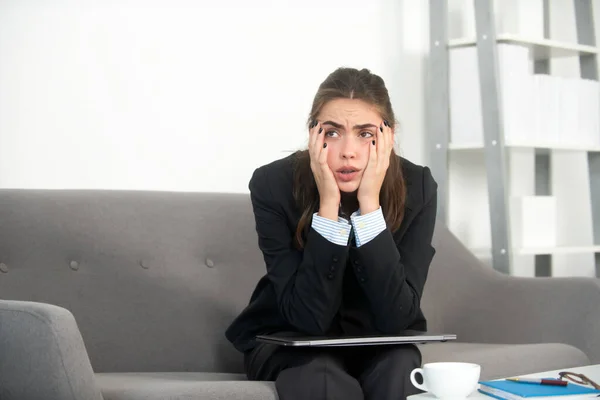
(379,161)
(329,191)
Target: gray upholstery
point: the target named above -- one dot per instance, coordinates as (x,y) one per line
(481,305)
(183,386)
(167,315)
(154,278)
(501,360)
(43,338)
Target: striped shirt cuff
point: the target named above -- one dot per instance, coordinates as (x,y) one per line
(368,226)
(336,232)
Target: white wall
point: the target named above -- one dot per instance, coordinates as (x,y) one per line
(186,95)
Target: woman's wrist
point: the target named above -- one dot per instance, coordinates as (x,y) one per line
(329,210)
(368,206)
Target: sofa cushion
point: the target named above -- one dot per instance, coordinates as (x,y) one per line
(503,360)
(497,361)
(182,386)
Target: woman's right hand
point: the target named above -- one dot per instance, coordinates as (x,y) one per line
(329,192)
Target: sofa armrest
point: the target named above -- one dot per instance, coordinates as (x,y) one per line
(42,354)
(504,309)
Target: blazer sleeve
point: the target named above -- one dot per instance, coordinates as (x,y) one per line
(392,274)
(308,283)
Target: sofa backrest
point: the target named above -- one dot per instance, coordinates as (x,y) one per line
(154,278)
(456,279)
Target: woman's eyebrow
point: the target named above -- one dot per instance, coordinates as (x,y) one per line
(356,127)
(334,124)
(364,126)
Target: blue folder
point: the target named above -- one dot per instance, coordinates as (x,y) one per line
(503,389)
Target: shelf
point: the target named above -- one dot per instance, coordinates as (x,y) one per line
(531,145)
(542,49)
(558,250)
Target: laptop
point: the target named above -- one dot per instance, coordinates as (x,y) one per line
(366,340)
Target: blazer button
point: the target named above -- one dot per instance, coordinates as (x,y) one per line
(356,262)
(332,268)
(330,276)
(362,280)
(335,259)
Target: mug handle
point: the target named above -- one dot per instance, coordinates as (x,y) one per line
(415,383)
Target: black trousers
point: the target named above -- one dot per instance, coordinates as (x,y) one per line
(345,373)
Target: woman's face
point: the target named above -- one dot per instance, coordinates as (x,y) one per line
(349,126)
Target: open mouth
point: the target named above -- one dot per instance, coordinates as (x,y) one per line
(347,174)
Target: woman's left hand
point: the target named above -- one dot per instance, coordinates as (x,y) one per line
(379,161)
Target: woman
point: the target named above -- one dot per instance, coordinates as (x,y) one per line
(345,229)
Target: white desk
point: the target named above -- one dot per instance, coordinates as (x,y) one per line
(591,371)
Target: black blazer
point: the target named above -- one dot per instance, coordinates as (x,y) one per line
(328,289)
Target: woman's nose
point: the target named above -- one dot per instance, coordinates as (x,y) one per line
(348,149)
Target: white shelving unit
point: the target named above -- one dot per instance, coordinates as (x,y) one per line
(531,145)
(504,163)
(542,49)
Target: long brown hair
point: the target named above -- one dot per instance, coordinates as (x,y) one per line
(350,83)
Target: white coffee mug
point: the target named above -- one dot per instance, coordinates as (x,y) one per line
(448,380)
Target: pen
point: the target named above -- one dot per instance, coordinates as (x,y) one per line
(554,382)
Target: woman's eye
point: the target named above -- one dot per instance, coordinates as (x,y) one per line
(331,134)
(366,134)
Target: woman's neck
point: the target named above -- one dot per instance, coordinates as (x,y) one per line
(349,203)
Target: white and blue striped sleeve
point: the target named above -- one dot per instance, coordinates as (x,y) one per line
(336,232)
(367,226)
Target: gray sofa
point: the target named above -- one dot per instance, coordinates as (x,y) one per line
(126,295)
